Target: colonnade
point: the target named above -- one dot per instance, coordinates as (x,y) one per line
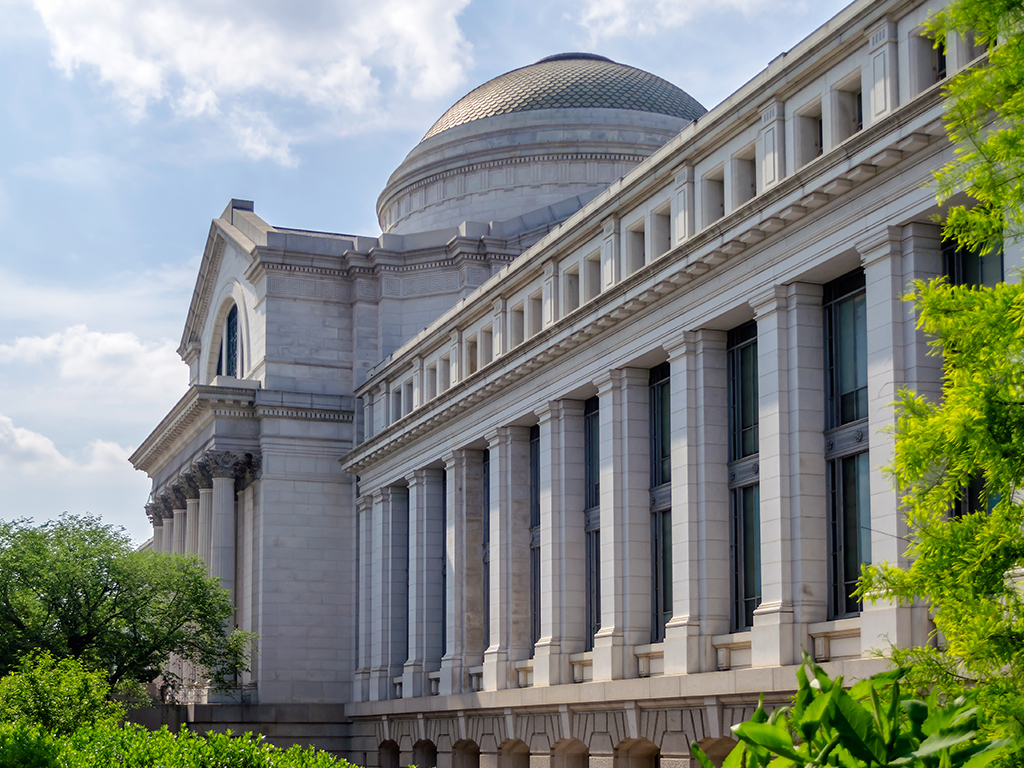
(434,622)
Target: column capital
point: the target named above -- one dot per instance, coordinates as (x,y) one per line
(201,473)
(621,376)
(495,437)
(364,502)
(769,300)
(176,495)
(880,244)
(164,503)
(684,174)
(423,476)
(154,511)
(222,464)
(554,409)
(189,484)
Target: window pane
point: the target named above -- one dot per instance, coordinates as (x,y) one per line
(751,552)
(852,358)
(854,526)
(232,342)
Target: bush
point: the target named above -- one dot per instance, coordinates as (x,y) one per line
(23,745)
(57,696)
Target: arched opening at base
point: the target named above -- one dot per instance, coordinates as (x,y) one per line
(388,755)
(637,753)
(465,754)
(424,754)
(514,754)
(717,748)
(570,753)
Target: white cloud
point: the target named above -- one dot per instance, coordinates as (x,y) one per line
(604,19)
(209,58)
(28,452)
(82,169)
(89,360)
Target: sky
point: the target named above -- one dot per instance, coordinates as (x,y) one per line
(127,125)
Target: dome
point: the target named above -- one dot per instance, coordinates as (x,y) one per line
(578,80)
(530,142)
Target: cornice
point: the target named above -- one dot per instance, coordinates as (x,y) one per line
(222,401)
(691,259)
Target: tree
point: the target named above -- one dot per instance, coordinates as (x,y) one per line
(76,588)
(985,118)
(966,566)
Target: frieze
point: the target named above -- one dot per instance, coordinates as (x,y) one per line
(366,289)
(309,289)
(392,287)
(426,284)
(477,276)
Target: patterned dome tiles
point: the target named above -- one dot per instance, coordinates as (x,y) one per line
(570,81)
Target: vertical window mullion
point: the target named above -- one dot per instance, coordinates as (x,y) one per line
(534,534)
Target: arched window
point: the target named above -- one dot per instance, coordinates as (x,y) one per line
(229,363)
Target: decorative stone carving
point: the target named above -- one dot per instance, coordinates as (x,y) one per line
(165,502)
(201,472)
(176,494)
(250,469)
(155,512)
(222,464)
(189,484)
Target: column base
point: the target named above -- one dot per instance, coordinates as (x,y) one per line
(683,647)
(550,665)
(497,670)
(886,624)
(613,657)
(382,684)
(773,640)
(361,685)
(452,677)
(414,683)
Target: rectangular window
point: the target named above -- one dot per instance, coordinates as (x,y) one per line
(846,350)
(744,176)
(536,314)
(661,426)
(486,346)
(592,515)
(713,197)
(743,403)
(746,555)
(444,373)
(518,325)
(431,385)
(636,255)
(966,267)
(810,139)
(571,282)
(592,276)
(407,393)
(849,529)
(472,350)
(486,539)
(534,534)
(661,237)
(661,572)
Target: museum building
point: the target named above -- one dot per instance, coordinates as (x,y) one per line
(577,457)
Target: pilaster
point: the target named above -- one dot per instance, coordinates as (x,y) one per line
(880,79)
(426,582)
(771,144)
(625,522)
(389,592)
(611,257)
(509,556)
(562,542)
(364,569)
(683,205)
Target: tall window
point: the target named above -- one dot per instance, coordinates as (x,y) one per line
(534,534)
(966,267)
(229,363)
(745,529)
(661,501)
(846,443)
(592,515)
(444,562)
(486,539)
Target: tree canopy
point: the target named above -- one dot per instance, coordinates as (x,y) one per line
(985,119)
(77,588)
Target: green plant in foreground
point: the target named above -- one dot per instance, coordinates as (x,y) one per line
(874,723)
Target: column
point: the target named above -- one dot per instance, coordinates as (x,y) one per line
(157,519)
(562,542)
(882,256)
(625,522)
(880,80)
(793,510)
(509,556)
(771,144)
(922,260)
(191,513)
(364,511)
(178,509)
(222,548)
(426,560)
(464,555)
(700,501)
(205,482)
(390,600)
(168,514)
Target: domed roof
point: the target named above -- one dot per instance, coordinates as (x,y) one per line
(570,80)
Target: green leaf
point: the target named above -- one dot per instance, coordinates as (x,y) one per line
(857,728)
(774,738)
(698,753)
(943,740)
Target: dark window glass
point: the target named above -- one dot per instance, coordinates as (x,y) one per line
(592,515)
(661,426)
(534,534)
(743,405)
(661,573)
(486,539)
(847,345)
(966,267)
(592,452)
(974,499)
(849,529)
(231,343)
(444,562)
(746,555)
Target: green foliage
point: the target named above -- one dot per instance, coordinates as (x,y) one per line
(875,723)
(132,746)
(23,745)
(58,696)
(964,566)
(985,117)
(77,588)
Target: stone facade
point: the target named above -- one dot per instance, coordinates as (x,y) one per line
(576,485)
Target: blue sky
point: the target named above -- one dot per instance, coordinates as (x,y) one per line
(126,126)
